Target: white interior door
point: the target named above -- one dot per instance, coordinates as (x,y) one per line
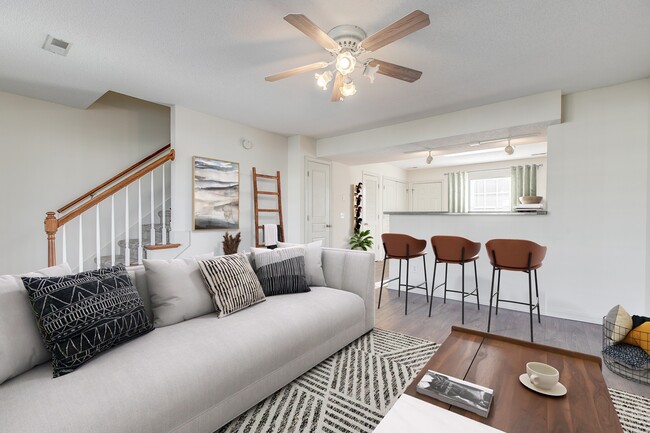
(317,202)
(372,210)
(395,197)
(426,196)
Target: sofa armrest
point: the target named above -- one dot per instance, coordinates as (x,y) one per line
(352,271)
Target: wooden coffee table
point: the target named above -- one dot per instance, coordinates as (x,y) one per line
(496,362)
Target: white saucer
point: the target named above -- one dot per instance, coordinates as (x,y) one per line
(557,391)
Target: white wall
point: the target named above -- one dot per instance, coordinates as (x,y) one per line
(596,230)
(199,134)
(597,202)
(52,153)
(300,147)
(438,174)
(343,178)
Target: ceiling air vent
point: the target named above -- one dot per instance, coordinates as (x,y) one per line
(56,46)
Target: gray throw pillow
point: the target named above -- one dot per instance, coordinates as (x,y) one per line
(231,282)
(281,271)
(313,262)
(21,345)
(177,290)
(618,323)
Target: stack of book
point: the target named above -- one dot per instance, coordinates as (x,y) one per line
(457,392)
(532,207)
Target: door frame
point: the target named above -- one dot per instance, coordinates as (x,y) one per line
(380,209)
(306,197)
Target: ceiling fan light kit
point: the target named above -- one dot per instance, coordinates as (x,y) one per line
(347,43)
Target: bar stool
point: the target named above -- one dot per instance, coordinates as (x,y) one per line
(518,256)
(403,247)
(455,250)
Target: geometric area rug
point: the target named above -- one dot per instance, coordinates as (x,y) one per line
(352,390)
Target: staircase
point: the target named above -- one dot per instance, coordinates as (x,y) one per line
(117,221)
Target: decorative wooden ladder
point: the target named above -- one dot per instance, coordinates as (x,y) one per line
(277,193)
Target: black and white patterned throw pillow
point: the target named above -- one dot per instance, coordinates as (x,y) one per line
(232,283)
(82,315)
(281,271)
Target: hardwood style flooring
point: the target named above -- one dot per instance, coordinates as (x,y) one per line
(568,334)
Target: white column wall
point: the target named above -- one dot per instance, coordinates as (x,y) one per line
(596,229)
(199,134)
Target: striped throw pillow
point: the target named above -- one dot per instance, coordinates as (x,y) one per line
(281,271)
(231,282)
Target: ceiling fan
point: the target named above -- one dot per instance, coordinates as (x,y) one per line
(347,44)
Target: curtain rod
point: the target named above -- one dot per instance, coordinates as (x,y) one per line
(494,169)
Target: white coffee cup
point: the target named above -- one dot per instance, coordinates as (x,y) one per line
(542,375)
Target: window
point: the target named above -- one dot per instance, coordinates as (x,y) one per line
(490,195)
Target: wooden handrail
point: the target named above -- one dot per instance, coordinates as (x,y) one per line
(114,178)
(115,188)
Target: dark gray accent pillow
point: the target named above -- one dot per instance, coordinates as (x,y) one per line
(232,283)
(627,354)
(281,271)
(82,315)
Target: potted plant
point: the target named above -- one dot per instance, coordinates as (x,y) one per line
(361,240)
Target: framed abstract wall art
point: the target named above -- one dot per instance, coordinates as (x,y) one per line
(215,194)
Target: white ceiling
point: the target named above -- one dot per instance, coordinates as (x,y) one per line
(212,56)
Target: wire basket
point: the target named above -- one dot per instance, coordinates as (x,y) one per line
(627,361)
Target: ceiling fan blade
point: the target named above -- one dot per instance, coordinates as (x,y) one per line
(296,71)
(336,88)
(306,26)
(413,22)
(396,71)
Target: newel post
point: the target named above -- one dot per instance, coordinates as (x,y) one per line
(51,226)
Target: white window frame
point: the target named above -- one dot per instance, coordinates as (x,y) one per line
(498,193)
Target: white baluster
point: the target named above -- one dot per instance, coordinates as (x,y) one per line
(139,222)
(113,230)
(98,253)
(127,250)
(81,244)
(65,246)
(152,238)
(164,230)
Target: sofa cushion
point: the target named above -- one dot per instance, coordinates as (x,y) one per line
(313,262)
(21,345)
(190,377)
(618,323)
(281,271)
(177,290)
(640,336)
(81,315)
(232,283)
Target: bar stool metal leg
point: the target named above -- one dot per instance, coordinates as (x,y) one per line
(406,289)
(433,284)
(381,288)
(462,301)
(399,281)
(496,313)
(530,300)
(426,285)
(445,297)
(539,317)
(491,297)
(478,304)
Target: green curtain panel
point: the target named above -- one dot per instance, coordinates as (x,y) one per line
(523,181)
(458,190)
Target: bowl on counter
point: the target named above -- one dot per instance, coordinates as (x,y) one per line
(531,199)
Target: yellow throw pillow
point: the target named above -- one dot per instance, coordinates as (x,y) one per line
(618,323)
(640,336)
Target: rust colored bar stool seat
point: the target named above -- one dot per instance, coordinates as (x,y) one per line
(515,255)
(403,247)
(455,250)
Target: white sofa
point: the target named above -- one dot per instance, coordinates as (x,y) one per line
(197,375)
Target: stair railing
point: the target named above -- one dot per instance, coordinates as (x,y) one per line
(103,192)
